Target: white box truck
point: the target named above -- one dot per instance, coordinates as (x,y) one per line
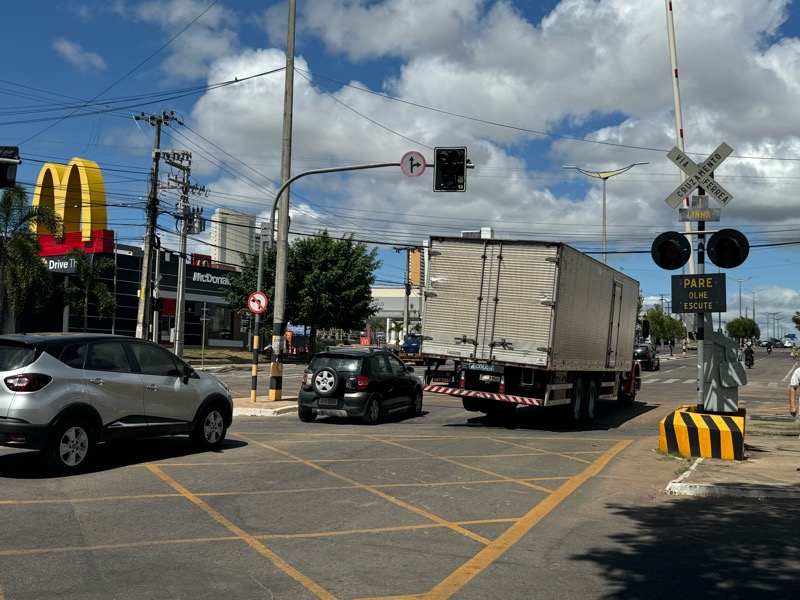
(527,322)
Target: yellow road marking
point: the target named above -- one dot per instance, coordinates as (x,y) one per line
(240,533)
(466,572)
(504,478)
(70,549)
(373,490)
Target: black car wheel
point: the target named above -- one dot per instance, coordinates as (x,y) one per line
(415,408)
(373,412)
(209,433)
(325,382)
(306,415)
(70,447)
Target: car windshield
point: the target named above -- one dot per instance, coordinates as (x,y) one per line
(340,363)
(15,357)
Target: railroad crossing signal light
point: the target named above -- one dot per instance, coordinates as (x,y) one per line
(8,167)
(450,169)
(727,248)
(671,250)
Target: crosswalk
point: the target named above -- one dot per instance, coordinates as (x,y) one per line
(693,381)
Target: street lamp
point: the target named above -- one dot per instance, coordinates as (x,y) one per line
(740,292)
(754,302)
(604,176)
(773,315)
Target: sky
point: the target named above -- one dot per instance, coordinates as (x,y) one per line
(527,86)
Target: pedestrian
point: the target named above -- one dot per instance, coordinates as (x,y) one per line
(793,392)
(671,346)
(794,352)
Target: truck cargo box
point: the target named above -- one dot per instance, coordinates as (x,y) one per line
(531,303)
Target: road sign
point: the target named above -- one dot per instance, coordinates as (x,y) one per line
(698,293)
(699,175)
(699,211)
(257,302)
(412,164)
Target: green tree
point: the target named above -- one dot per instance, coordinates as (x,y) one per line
(662,325)
(796,320)
(244,282)
(330,284)
(743,329)
(23,275)
(87,286)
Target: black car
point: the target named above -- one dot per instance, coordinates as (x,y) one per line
(647,356)
(358,382)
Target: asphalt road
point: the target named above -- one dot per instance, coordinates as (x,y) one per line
(449,504)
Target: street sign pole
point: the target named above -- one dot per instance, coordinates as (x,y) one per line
(700,177)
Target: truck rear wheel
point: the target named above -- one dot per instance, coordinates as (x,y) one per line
(591,401)
(577,402)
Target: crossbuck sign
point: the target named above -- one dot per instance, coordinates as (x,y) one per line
(699,175)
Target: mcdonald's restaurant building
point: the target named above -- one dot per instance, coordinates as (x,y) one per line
(77,194)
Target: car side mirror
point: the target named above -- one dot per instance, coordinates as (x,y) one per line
(188,373)
(409,369)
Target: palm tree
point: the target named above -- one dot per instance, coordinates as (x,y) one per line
(23,275)
(88,270)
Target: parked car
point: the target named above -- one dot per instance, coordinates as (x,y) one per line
(66,393)
(647,356)
(358,381)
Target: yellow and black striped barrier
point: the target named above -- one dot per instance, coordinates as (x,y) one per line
(690,432)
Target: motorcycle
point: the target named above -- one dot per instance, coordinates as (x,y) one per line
(749,361)
(769,349)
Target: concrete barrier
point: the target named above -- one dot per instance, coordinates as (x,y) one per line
(690,432)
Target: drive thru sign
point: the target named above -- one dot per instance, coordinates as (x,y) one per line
(699,175)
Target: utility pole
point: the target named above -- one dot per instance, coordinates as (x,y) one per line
(407,290)
(145,288)
(182,160)
(282,248)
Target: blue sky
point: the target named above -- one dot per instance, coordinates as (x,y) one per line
(527,86)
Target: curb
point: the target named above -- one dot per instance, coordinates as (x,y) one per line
(263,412)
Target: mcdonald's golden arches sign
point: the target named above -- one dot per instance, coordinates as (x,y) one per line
(77,194)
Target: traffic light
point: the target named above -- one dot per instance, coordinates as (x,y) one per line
(727,248)
(450,170)
(671,250)
(9,159)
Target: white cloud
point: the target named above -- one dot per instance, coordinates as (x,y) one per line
(77,56)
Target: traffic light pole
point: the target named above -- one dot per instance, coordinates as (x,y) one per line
(279,302)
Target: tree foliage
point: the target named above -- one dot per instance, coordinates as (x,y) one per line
(23,275)
(328,284)
(86,285)
(796,320)
(743,329)
(331,283)
(664,326)
(245,282)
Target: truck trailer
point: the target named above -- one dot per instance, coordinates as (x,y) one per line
(527,322)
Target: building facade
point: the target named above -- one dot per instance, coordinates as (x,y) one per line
(232,234)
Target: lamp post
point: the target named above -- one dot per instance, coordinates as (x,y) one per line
(771,314)
(604,176)
(754,303)
(740,292)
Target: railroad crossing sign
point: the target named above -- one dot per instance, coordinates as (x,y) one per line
(257,302)
(699,175)
(412,164)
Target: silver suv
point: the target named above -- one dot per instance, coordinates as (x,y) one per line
(64,393)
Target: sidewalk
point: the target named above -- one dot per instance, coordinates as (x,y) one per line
(771,468)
